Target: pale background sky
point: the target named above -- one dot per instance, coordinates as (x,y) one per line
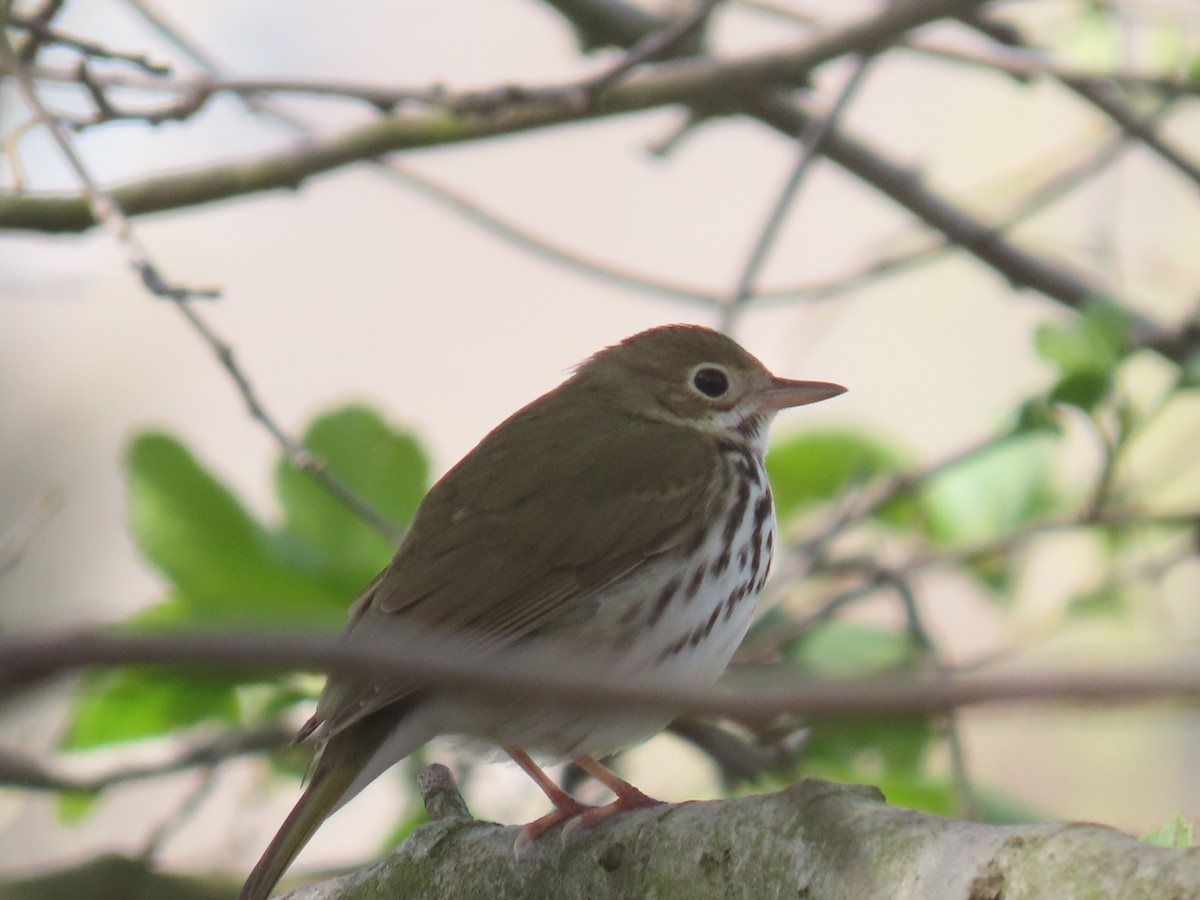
(355,288)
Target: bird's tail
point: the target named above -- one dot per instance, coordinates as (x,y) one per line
(349,761)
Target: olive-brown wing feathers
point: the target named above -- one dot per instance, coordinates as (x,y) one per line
(527,526)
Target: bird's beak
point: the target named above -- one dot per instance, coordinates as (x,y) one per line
(783,393)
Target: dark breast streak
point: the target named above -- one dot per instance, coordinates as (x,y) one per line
(753,556)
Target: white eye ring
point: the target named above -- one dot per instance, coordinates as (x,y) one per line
(710,381)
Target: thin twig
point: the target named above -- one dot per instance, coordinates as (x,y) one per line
(1017,58)
(691,82)
(26,773)
(1103,95)
(199,90)
(787,114)
(471,210)
(655,45)
(28,48)
(537,245)
(186,810)
(810,141)
(766,644)
(1049,190)
(964,792)
(15,541)
(1029,62)
(296,454)
(1018,61)
(1148,573)
(108,212)
(44,34)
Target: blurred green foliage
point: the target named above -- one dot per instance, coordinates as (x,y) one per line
(227,568)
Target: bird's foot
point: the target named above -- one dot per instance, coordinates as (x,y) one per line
(631,798)
(566,809)
(628,797)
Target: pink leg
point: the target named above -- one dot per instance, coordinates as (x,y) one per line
(565,806)
(628,797)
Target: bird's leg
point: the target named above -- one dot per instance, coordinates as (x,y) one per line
(565,806)
(628,797)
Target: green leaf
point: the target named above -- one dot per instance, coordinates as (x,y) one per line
(842,649)
(994,571)
(1105,602)
(385,466)
(1086,352)
(136,703)
(898,742)
(1085,390)
(817,466)
(223,565)
(838,649)
(994,492)
(74,806)
(1190,372)
(1094,38)
(189,525)
(1036,416)
(1179,833)
(1108,322)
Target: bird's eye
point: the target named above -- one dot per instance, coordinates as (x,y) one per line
(711,382)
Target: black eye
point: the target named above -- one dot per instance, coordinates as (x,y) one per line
(711,382)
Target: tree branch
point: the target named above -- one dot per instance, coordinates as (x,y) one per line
(700,83)
(19,771)
(814,840)
(433,659)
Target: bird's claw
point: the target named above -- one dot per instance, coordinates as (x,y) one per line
(578,815)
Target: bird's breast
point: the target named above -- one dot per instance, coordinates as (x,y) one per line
(682,616)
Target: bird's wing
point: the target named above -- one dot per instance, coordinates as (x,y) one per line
(524,528)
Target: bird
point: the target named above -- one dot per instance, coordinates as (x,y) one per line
(624,516)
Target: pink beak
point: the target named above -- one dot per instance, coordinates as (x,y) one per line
(784,393)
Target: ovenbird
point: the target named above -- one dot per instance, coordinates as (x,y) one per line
(625,514)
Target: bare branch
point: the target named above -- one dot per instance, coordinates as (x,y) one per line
(178,818)
(1052,188)
(657,45)
(19,771)
(109,211)
(15,541)
(600,23)
(1028,63)
(1014,59)
(1104,96)
(540,246)
(813,840)
(810,142)
(437,660)
(43,34)
(29,47)
(702,83)
(194,92)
